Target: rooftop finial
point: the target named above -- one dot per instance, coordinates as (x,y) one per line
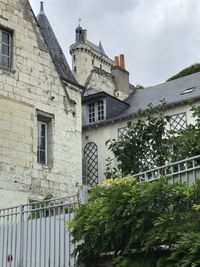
(41,7)
(79,22)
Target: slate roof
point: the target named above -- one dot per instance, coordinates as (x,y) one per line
(54,48)
(172,92)
(98,48)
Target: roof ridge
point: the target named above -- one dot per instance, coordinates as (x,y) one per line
(54,48)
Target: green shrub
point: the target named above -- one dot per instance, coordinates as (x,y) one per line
(125,217)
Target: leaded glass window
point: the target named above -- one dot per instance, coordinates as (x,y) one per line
(91,159)
(178,121)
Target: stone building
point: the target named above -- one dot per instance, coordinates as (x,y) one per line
(110,101)
(40,110)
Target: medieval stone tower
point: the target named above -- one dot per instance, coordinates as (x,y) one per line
(86,56)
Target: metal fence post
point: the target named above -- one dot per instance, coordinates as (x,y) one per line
(21,235)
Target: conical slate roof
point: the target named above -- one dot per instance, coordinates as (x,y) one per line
(101,48)
(54,48)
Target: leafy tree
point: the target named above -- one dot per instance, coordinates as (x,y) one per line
(145,145)
(186,141)
(187,71)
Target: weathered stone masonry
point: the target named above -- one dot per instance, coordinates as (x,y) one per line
(33,84)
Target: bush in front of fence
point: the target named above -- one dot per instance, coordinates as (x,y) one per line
(138,221)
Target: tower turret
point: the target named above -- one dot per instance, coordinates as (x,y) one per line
(86,56)
(79,34)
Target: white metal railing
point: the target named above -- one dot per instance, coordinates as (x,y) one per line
(187,170)
(36,234)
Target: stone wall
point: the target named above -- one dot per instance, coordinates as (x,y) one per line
(84,59)
(100,80)
(32,83)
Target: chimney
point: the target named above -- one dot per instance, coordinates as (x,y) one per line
(121,77)
(85,36)
(121,61)
(116,61)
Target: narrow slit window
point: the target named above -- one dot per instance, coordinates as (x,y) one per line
(5,49)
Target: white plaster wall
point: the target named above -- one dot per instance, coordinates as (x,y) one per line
(100,135)
(28,86)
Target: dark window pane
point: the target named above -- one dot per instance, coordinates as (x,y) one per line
(5,61)
(42,157)
(38,156)
(42,145)
(43,130)
(41,148)
(5,49)
(5,37)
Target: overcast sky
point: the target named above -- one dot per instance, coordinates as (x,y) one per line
(158,37)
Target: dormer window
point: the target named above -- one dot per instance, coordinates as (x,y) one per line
(96,111)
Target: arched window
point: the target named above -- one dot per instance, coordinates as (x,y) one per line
(91,159)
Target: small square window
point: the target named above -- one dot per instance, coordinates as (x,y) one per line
(5,49)
(75,69)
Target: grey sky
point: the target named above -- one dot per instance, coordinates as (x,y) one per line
(158,37)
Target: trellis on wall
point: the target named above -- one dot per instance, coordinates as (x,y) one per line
(122,131)
(91,159)
(178,121)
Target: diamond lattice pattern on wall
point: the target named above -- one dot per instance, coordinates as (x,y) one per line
(178,121)
(91,158)
(122,131)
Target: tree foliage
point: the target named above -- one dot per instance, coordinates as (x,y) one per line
(148,144)
(186,141)
(139,219)
(187,71)
(145,145)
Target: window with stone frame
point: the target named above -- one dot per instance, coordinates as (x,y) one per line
(178,121)
(5,49)
(44,137)
(96,111)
